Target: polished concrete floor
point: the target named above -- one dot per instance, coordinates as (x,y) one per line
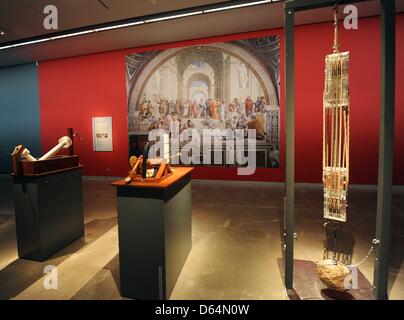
(236,235)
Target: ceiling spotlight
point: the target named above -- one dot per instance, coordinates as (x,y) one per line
(174,16)
(237,6)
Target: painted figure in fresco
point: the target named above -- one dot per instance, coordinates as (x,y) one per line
(157,123)
(164,106)
(186,131)
(143,108)
(249,106)
(177,107)
(208,108)
(232,107)
(169,121)
(188,124)
(231,120)
(202,108)
(171,106)
(195,109)
(257,123)
(208,123)
(175,125)
(258,101)
(150,108)
(241,122)
(151,118)
(222,110)
(214,110)
(261,105)
(234,121)
(185,109)
(236,105)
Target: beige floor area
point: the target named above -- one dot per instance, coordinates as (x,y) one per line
(236,243)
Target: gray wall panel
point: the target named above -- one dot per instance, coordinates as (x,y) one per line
(19,111)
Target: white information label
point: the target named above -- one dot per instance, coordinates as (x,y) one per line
(102,134)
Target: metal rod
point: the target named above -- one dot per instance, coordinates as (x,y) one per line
(386,146)
(290,144)
(70,134)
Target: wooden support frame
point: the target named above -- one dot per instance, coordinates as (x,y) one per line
(386,141)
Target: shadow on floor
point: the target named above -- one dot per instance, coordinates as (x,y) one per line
(341,243)
(28,272)
(104,285)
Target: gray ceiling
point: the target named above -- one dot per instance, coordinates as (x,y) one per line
(23,19)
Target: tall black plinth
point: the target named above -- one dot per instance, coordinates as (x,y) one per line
(154,223)
(48,212)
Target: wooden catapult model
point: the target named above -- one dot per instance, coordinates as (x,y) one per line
(336,132)
(145,169)
(24,164)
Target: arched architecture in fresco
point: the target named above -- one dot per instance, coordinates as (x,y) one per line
(223,85)
(197,83)
(233,72)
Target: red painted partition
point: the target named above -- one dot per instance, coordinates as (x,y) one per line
(74,90)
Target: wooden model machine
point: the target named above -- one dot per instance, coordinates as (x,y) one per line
(336,132)
(24,164)
(48,199)
(145,169)
(333,273)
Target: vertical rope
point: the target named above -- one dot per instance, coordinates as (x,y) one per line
(336,40)
(339,102)
(348,143)
(335,151)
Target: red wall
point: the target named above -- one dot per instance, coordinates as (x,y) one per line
(74,90)
(312,43)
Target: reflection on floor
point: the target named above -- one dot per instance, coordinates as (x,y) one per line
(236,243)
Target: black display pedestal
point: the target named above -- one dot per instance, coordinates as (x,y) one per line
(154,223)
(48,212)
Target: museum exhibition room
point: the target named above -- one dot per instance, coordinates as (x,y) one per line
(202,150)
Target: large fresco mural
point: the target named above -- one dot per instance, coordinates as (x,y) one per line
(226,85)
